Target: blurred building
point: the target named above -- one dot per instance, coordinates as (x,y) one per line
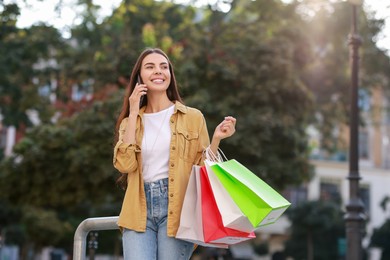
(330,182)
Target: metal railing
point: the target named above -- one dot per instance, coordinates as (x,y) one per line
(90,224)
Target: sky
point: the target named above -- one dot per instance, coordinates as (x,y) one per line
(34,11)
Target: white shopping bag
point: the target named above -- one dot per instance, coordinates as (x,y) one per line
(232,216)
(191,226)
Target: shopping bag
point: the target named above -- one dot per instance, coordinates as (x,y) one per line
(232,216)
(257,200)
(191,226)
(213,229)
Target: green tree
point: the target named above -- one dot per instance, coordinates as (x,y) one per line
(381,236)
(243,63)
(107,51)
(313,225)
(24,56)
(63,173)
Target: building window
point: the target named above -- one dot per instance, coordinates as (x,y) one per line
(364,100)
(295,195)
(364,192)
(363,145)
(330,191)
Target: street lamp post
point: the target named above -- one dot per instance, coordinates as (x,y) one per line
(354,216)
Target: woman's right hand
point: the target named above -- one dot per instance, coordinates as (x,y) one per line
(134,100)
(135,97)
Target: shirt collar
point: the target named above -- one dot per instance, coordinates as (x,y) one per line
(180,107)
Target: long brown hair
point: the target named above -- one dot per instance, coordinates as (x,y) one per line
(172,93)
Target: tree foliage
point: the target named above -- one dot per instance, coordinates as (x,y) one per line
(381,235)
(68,160)
(252,75)
(23,57)
(60,174)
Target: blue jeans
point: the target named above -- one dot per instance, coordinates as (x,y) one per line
(154,243)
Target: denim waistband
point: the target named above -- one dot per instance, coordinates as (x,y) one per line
(153,184)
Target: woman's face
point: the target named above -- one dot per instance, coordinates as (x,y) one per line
(155,72)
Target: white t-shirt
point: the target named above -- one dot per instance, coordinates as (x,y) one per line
(155,144)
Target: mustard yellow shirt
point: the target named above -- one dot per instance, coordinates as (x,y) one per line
(189,138)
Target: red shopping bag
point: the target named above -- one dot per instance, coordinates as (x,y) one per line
(213,229)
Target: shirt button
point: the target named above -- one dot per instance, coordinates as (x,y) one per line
(171,195)
(173,148)
(172,121)
(172,179)
(172,164)
(170,212)
(174,133)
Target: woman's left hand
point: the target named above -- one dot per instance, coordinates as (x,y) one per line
(226,128)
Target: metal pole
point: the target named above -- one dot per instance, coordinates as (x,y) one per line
(354,216)
(90,224)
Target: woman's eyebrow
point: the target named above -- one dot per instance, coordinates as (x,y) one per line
(151,63)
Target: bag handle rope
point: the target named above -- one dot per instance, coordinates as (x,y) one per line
(219,157)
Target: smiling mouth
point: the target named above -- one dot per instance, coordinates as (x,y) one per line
(158,81)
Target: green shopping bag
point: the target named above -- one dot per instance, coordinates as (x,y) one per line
(257,200)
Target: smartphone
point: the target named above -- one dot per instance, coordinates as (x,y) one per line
(139,81)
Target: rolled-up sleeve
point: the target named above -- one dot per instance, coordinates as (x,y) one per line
(124,159)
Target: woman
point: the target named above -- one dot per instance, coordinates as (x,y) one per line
(159,140)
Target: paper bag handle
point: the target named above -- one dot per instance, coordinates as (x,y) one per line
(210,156)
